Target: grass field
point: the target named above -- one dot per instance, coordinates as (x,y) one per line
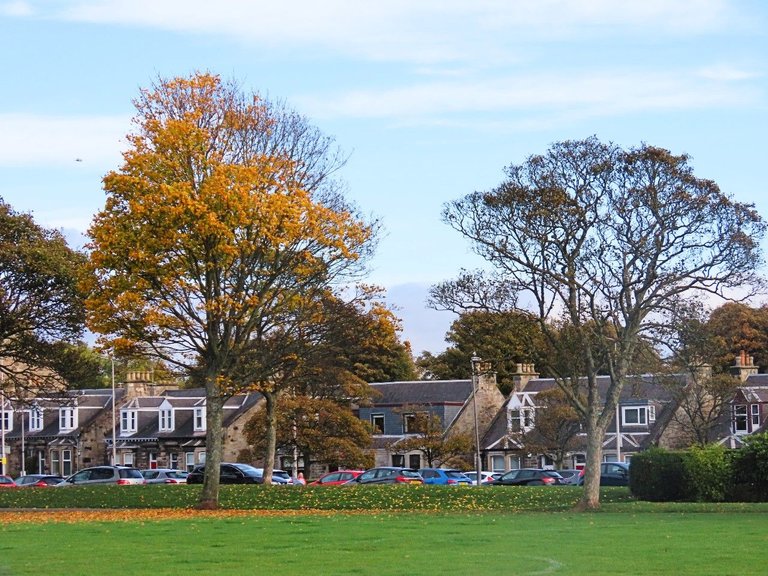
(377,531)
(395,543)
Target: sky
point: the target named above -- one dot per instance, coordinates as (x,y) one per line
(431,99)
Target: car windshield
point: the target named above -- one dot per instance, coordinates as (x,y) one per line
(177,474)
(248,469)
(409,473)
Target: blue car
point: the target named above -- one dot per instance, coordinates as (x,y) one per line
(442,476)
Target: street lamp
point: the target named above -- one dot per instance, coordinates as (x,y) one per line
(475,360)
(114,422)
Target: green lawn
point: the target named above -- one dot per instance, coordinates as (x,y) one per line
(610,543)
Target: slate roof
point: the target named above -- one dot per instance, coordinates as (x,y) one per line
(422,392)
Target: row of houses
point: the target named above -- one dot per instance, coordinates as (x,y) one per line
(148,425)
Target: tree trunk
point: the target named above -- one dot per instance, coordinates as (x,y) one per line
(590,498)
(214,448)
(269,457)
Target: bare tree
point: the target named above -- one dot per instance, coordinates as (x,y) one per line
(605,240)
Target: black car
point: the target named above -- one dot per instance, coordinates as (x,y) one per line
(229,473)
(612,474)
(387,475)
(528,477)
(38,480)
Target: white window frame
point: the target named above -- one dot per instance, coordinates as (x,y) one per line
(645,415)
(198,420)
(166,420)
(754,412)
(409,422)
(55,462)
(740,415)
(7,420)
(128,419)
(36,420)
(128,458)
(377,417)
(173,461)
(66,462)
(527,418)
(189,460)
(67,418)
(497,463)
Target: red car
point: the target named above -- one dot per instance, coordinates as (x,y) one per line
(336,478)
(7,482)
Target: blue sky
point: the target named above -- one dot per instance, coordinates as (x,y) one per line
(431,98)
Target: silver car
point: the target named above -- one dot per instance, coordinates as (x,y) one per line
(120,475)
(165,476)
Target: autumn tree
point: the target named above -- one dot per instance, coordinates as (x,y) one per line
(741,328)
(426,435)
(41,309)
(352,342)
(220,230)
(701,388)
(556,427)
(605,239)
(504,338)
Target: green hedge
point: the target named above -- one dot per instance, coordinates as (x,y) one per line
(703,474)
(400,498)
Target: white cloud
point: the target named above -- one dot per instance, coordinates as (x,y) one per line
(30,140)
(403,30)
(589,93)
(16,9)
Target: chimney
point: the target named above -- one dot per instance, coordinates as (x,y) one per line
(744,366)
(523,374)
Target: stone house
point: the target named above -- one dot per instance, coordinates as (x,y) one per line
(395,404)
(154,426)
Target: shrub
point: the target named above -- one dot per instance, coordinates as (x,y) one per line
(707,473)
(658,476)
(750,470)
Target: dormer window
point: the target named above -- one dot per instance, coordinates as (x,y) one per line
(638,415)
(67,418)
(35,419)
(128,421)
(199,419)
(165,420)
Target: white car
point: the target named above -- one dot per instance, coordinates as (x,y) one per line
(484,475)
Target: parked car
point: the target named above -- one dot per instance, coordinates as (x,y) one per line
(7,482)
(121,475)
(281,477)
(387,475)
(528,477)
(445,477)
(484,475)
(165,476)
(229,473)
(336,478)
(612,474)
(571,476)
(38,480)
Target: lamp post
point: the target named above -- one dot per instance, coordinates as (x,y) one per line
(114,422)
(475,360)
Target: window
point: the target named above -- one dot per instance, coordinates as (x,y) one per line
(67,418)
(189,460)
(409,423)
(377,422)
(755,412)
(7,422)
(414,461)
(152,460)
(174,461)
(201,457)
(398,460)
(66,462)
(35,419)
(166,420)
(497,463)
(638,415)
(127,458)
(127,421)
(740,419)
(199,419)
(55,465)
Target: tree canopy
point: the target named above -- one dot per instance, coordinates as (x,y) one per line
(605,240)
(41,309)
(220,231)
